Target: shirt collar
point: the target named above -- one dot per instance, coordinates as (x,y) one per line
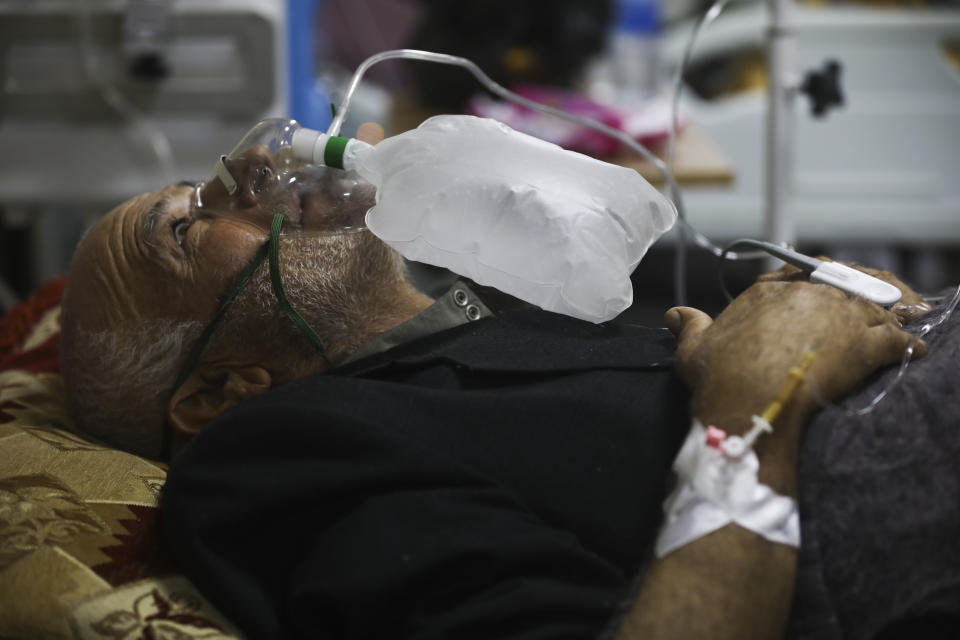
(459,305)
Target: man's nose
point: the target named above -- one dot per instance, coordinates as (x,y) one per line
(254,174)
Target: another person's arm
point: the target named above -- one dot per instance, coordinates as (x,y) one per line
(733,583)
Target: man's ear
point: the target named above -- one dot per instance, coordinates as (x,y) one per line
(211,390)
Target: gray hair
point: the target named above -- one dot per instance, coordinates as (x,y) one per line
(124,404)
(119,380)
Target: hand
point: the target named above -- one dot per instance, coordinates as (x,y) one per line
(910,307)
(737,363)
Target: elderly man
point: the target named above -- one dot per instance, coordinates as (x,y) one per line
(450,468)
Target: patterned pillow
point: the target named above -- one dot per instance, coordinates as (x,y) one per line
(80,555)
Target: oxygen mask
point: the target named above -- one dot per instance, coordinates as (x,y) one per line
(263,177)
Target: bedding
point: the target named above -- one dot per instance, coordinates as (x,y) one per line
(79,552)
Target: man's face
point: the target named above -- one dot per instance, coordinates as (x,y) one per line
(162,255)
(160,262)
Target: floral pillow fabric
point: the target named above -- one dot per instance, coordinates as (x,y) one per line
(80,555)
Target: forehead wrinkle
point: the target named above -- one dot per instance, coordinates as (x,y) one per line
(113,279)
(137,258)
(127,282)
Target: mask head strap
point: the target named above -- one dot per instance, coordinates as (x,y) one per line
(223,173)
(271,248)
(281,295)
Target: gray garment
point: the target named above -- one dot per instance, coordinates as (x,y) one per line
(880,506)
(459,305)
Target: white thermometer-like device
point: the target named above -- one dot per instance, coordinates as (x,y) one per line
(847,279)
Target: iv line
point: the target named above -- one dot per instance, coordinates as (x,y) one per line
(489,83)
(664,168)
(442,58)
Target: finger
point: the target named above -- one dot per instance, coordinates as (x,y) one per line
(874,315)
(370,132)
(687,323)
(886,344)
(907,312)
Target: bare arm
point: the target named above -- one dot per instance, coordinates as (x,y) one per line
(733,583)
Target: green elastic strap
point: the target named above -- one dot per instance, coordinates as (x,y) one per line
(281,295)
(201,343)
(271,248)
(333,152)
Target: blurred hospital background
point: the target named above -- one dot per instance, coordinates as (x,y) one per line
(103,99)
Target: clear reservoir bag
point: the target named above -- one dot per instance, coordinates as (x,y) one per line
(552,227)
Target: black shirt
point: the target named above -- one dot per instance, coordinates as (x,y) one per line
(502,479)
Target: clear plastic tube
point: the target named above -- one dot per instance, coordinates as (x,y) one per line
(705,20)
(494,87)
(686,230)
(490,84)
(662,167)
(922,331)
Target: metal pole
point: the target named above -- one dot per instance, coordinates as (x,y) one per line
(778,222)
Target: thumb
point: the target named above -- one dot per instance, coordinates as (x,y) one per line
(688,324)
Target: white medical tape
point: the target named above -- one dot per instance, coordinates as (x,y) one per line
(221,171)
(714,490)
